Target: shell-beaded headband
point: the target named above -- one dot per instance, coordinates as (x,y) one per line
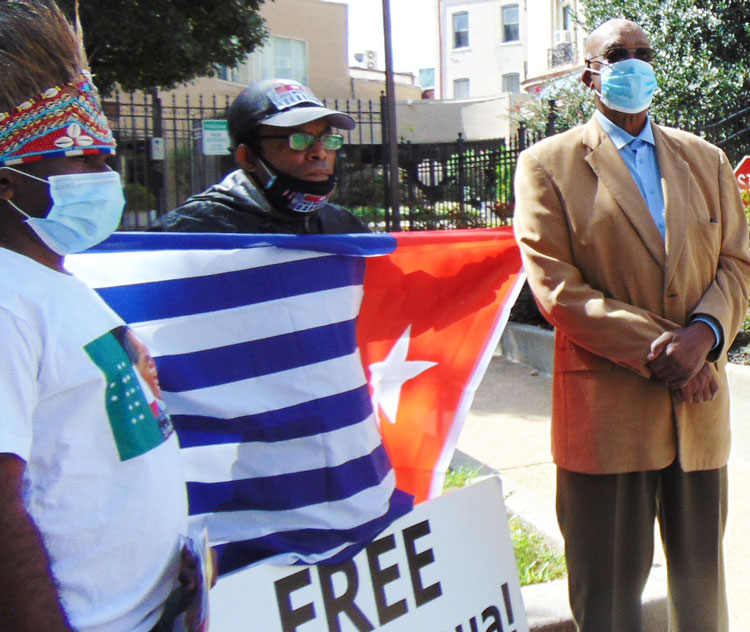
(62,121)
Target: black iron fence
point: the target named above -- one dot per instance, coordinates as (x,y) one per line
(463,184)
(731,133)
(459,184)
(160,153)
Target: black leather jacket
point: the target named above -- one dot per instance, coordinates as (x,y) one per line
(235,205)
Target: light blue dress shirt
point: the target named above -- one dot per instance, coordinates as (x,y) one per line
(639,155)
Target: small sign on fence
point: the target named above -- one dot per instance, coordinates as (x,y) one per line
(156,148)
(215,137)
(448,565)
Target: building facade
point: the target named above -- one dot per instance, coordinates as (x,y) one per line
(504,50)
(483,48)
(555,42)
(492,47)
(307,41)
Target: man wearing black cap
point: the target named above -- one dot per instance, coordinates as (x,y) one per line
(283,142)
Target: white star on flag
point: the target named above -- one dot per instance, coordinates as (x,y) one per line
(388,376)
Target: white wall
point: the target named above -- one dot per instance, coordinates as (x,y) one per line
(544,19)
(487,58)
(441,121)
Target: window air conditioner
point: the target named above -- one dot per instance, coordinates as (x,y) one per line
(563,37)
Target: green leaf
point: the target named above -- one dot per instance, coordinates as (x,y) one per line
(147,44)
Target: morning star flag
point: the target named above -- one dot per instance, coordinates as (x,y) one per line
(316,383)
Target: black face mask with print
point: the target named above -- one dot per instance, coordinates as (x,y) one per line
(286,192)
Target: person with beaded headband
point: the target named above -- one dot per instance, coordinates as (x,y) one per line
(85,462)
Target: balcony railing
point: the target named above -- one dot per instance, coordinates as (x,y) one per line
(563,54)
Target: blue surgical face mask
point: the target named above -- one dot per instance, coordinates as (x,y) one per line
(86,209)
(627,86)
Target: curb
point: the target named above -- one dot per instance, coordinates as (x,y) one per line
(535,347)
(533,510)
(547,608)
(528,345)
(546,605)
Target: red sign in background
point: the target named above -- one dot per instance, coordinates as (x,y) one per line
(742,173)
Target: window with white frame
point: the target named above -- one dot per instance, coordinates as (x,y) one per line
(563,24)
(238,74)
(285,58)
(281,58)
(511,30)
(461,29)
(225,73)
(427,77)
(460,88)
(512,82)
(566,21)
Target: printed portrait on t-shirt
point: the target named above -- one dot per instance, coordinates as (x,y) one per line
(141,358)
(133,395)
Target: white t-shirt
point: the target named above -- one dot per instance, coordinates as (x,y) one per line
(103,479)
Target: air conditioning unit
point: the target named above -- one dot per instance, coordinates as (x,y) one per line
(371,58)
(563,37)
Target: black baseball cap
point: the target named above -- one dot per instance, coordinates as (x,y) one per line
(281,103)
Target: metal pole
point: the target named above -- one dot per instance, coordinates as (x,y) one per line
(158,166)
(384,160)
(392,140)
(551,118)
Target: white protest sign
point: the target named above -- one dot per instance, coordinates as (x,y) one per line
(448,566)
(215,134)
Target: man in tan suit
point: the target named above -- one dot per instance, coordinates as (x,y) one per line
(635,244)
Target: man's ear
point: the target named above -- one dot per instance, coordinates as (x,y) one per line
(587,77)
(245,157)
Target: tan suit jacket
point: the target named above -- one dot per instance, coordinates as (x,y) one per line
(610,284)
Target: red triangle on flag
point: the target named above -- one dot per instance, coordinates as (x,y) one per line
(430,319)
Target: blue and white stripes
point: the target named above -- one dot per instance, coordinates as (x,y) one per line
(260,371)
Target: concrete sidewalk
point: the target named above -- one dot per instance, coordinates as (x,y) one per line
(508,431)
